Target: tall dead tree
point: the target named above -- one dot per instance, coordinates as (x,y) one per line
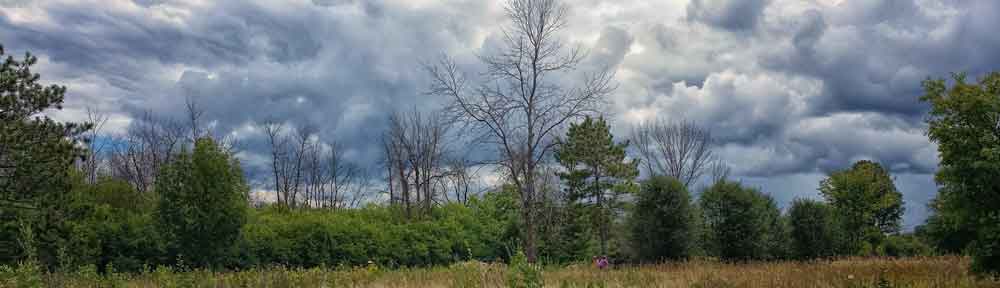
(681,150)
(303,141)
(519,105)
(279,160)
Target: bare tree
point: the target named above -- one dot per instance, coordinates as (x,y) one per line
(149,143)
(194,114)
(518,106)
(95,152)
(342,175)
(680,149)
(303,140)
(279,159)
(719,171)
(362,188)
(460,180)
(415,150)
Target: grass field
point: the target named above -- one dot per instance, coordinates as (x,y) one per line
(909,272)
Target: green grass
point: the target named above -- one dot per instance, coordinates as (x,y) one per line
(859,272)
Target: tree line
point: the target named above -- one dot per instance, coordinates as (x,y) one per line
(172,192)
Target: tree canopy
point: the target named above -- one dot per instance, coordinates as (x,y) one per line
(964,121)
(866,202)
(202,203)
(661,223)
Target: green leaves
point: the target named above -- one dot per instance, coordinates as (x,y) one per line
(814,230)
(744,224)
(661,223)
(866,203)
(964,121)
(36,155)
(202,205)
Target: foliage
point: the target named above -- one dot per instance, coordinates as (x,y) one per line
(36,151)
(597,173)
(964,121)
(36,154)
(904,246)
(866,203)
(497,214)
(743,223)
(661,223)
(25,274)
(947,229)
(522,274)
(315,238)
(202,205)
(814,231)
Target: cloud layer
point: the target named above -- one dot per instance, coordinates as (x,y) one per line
(793,89)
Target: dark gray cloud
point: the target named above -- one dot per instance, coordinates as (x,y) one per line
(792,89)
(734,15)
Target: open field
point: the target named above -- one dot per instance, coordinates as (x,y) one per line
(908,272)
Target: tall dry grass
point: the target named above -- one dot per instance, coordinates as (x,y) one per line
(860,272)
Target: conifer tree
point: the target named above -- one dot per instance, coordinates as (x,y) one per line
(597,172)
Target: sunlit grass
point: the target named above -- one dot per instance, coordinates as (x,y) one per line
(869,272)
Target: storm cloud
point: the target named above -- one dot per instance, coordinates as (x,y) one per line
(792,89)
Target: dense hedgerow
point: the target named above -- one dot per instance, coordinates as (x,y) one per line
(311,238)
(118,229)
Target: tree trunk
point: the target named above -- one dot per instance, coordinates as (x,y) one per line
(527,202)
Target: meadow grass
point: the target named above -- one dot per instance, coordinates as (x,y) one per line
(856,272)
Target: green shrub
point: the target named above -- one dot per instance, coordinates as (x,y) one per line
(25,274)
(313,238)
(904,246)
(521,274)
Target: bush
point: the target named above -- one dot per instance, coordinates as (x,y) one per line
(521,274)
(25,274)
(662,221)
(314,238)
(904,246)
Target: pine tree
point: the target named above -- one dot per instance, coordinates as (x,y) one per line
(596,172)
(36,154)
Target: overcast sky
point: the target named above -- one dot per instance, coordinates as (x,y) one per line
(792,88)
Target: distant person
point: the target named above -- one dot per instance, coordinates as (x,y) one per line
(602,262)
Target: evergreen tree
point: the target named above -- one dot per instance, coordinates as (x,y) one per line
(36,154)
(202,205)
(597,172)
